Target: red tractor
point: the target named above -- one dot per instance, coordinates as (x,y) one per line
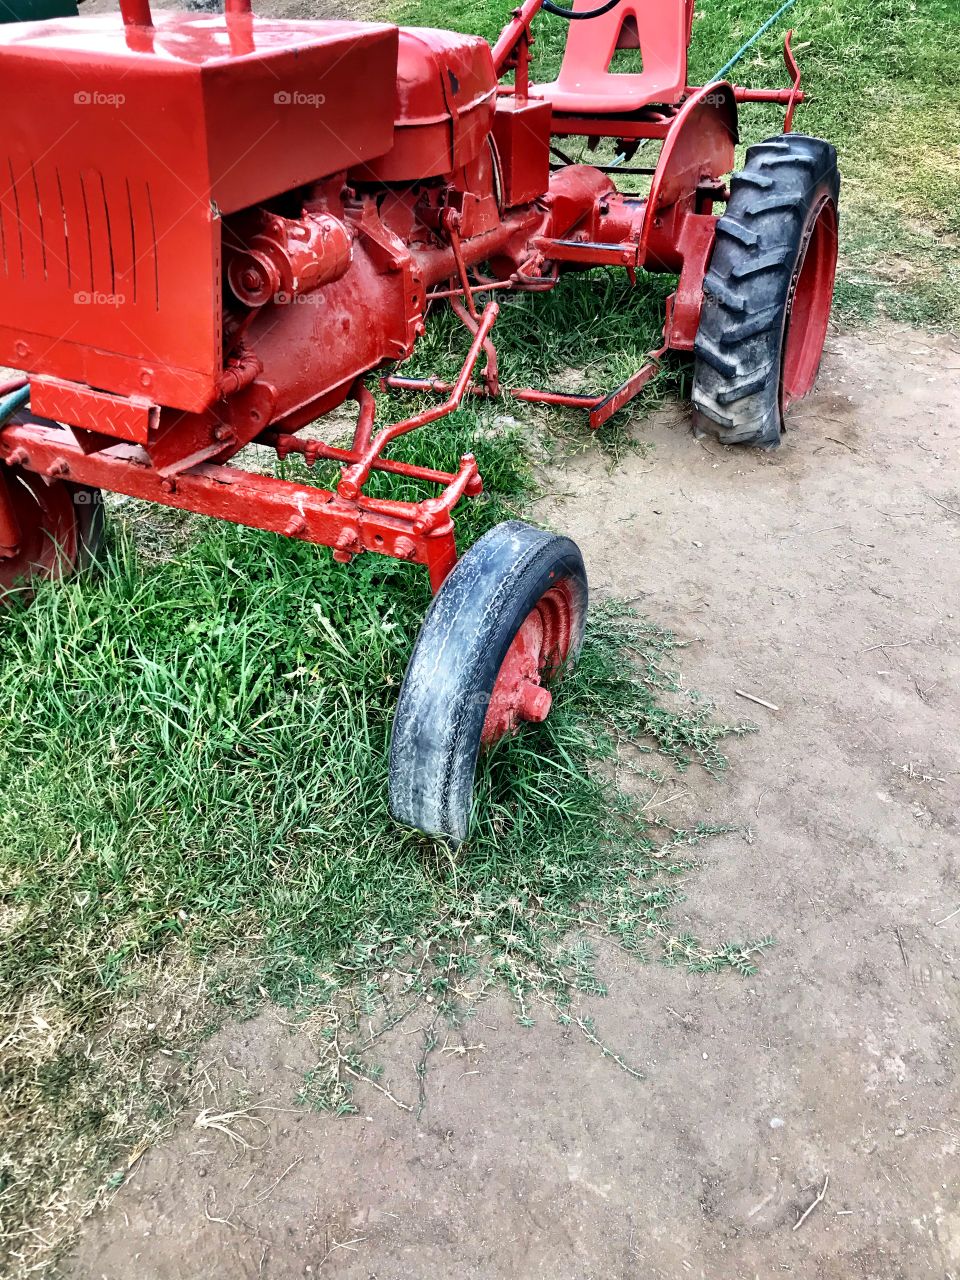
(215,229)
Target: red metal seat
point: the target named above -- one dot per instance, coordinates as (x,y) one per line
(660,29)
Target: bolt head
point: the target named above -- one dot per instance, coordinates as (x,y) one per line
(534,702)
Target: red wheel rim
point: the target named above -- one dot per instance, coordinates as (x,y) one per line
(809,307)
(538,651)
(48,530)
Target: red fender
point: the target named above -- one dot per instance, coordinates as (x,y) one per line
(698,149)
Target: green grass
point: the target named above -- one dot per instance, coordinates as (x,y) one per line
(587,337)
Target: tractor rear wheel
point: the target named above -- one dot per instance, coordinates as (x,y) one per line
(506,621)
(61,527)
(768,290)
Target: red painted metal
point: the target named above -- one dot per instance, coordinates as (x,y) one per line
(613,402)
(121,161)
(275,259)
(694,245)
(514,34)
(214,228)
(697,151)
(131,418)
(136,13)
(10,533)
(355,476)
(632,127)
(795,93)
(521,133)
(809,310)
(419,532)
(568,400)
(789,98)
(600,408)
(659,32)
(446,90)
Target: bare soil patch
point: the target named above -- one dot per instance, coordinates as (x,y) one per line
(824,579)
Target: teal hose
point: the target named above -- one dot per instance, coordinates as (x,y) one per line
(735,59)
(752,41)
(10,404)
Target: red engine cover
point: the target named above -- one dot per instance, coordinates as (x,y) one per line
(446,94)
(121,150)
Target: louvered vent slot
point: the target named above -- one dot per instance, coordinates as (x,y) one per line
(81,231)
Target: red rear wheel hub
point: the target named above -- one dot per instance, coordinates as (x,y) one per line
(538,651)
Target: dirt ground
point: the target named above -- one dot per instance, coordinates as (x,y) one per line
(826,580)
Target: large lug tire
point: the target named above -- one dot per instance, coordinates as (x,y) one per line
(768,290)
(61,529)
(506,621)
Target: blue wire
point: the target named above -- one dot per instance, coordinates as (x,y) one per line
(734,60)
(14,401)
(752,41)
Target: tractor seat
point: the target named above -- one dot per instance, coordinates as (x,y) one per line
(659,29)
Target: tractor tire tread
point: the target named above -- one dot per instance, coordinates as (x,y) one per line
(718,287)
(735,334)
(771,261)
(746,178)
(780,203)
(776,145)
(737,231)
(774,162)
(747,287)
(724,364)
(744,386)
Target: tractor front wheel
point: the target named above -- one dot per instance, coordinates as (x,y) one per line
(60,527)
(506,621)
(767,293)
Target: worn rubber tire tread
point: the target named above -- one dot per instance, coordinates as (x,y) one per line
(739,345)
(461,646)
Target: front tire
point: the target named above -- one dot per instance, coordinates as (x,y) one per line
(506,621)
(768,290)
